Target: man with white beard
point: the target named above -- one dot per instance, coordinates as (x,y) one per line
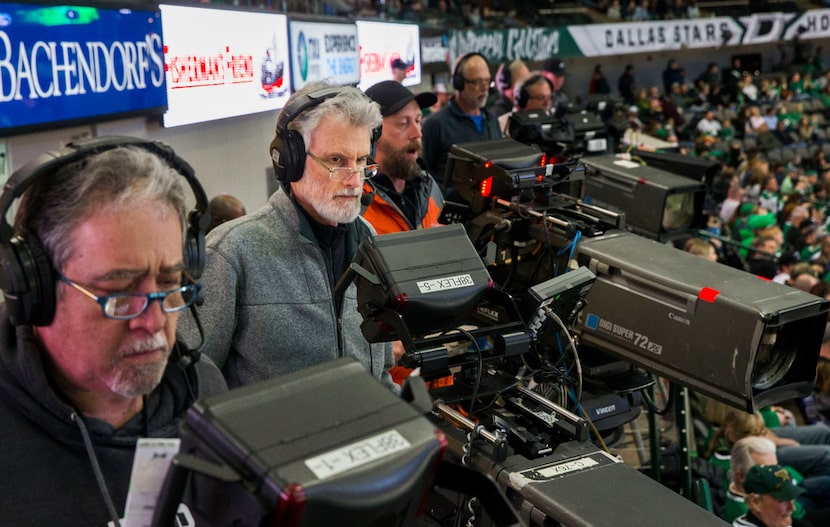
(271,306)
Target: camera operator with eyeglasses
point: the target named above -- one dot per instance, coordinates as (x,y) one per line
(94,277)
(271,306)
(464,119)
(534,92)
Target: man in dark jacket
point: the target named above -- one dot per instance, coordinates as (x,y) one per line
(89,361)
(463,120)
(625,84)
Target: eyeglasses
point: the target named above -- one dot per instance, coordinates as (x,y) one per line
(126,306)
(541,98)
(344,173)
(479,83)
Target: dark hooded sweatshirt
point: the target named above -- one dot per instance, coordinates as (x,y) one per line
(46,475)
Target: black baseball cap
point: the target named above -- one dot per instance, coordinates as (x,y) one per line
(399,64)
(392,96)
(555,66)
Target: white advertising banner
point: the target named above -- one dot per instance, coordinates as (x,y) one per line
(638,37)
(814,23)
(322,50)
(382,42)
(223,63)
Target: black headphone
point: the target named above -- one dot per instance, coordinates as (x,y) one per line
(457,75)
(288,149)
(27,277)
(522,95)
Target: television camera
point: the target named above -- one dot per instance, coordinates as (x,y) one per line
(562,133)
(510,302)
(654,306)
(721,331)
(514,411)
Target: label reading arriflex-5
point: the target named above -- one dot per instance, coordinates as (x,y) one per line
(443,284)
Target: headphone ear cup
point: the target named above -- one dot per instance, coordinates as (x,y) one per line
(373,149)
(194,246)
(522,97)
(457,81)
(288,156)
(28,282)
(277,150)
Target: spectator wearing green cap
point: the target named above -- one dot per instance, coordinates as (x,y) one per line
(770,491)
(757,450)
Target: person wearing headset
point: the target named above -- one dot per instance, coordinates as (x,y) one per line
(271,302)
(94,279)
(465,118)
(535,92)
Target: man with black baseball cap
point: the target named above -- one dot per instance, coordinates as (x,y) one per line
(770,491)
(554,69)
(399,68)
(405,195)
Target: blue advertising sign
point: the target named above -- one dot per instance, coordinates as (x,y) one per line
(71,64)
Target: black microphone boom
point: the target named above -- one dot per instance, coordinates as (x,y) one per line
(366,199)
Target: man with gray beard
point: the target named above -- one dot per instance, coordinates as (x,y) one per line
(272,305)
(404,195)
(94,273)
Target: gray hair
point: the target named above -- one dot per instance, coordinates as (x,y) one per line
(741,458)
(350,104)
(55,205)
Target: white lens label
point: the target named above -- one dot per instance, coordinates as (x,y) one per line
(357,454)
(444,284)
(597,145)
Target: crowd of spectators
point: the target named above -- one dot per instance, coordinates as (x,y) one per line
(769,215)
(772,135)
(479,14)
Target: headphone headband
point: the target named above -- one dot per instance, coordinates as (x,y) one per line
(288,148)
(457,75)
(307,101)
(51,161)
(26,274)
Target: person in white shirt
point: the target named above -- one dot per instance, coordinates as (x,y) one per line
(709,125)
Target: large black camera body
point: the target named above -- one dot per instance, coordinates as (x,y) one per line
(530,281)
(721,331)
(743,340)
